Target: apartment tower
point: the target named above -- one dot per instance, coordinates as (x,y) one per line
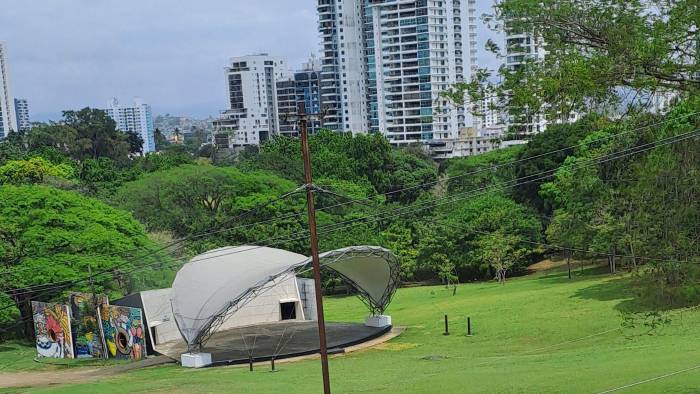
(252,116)
(386,62)
(8,117)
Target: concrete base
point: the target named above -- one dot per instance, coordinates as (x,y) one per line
(378,321)
(195,360)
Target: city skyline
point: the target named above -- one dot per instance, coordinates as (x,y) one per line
(59,59)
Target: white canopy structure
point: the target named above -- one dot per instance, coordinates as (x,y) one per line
(216,284)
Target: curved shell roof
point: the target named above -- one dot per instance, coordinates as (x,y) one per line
(214,285)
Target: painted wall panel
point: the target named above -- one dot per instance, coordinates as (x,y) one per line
(52,329)
(85,325)
(123,332)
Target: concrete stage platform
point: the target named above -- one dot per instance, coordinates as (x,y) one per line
(281,340)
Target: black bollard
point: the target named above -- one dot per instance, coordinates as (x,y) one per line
(273,363)
(250,363)
(469,326)
(447,331)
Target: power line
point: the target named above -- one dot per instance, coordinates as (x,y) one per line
(355,222)
(368,198)
(546,174)
(199,235)
(451,199)
(512,162)
(650,380)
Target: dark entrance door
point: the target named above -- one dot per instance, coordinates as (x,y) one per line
(288,310)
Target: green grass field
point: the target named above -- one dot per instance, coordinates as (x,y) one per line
(540,333)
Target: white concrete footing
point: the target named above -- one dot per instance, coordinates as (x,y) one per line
(378,321)
(195,360)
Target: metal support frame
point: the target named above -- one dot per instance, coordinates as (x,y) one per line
(327,260)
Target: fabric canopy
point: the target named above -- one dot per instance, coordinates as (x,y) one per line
(214,285)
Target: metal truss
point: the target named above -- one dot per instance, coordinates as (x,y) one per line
(375,306)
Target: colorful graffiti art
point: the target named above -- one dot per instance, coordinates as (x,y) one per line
(87,336)
(124,332)
(52,330)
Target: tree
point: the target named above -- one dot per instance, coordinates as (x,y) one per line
(594,50)
(96,135)
(398,238)
(135,143)
(59,137)
(51,236)
(547,151)
(192,199)
(408,170)
(353,158)
(500,251)
(461,230)
(642,207)
(160,140)
(178,136)
(481,171)
(33,170)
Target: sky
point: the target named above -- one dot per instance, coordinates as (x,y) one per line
(69,54)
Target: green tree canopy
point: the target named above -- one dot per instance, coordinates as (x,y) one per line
(51,236)
(356,158)
(643,207)
(33,170)
(598,54)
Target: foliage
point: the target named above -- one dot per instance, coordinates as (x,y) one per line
(642,207)
(56,235)
(594,51)
(464,230)
(356,158)
(33,170)
(545,152)
(478,172)
(160,140)
(500,251)
(96,135)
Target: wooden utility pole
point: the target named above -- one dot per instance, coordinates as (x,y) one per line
(308,180)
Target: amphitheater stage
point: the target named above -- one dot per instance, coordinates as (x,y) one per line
(279,340)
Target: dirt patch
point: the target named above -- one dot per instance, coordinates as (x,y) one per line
(396,347)
(545,265)
(46,378)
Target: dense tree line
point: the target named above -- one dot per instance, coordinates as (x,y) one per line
(624,191)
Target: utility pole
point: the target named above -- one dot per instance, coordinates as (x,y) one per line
(308,180)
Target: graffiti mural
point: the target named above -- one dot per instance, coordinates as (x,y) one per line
(85,325)
(123,332)
(52,330)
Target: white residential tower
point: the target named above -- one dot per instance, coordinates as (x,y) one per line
(252,116)
(386,62)
(136,118)
(8,117)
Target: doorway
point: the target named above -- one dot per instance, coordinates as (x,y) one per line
(288,310)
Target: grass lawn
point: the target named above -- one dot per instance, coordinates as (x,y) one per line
(541,333)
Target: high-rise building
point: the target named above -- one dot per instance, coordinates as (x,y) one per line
(386,62)
(252,116)
(8,117)
(136,118)
(522,47)
(302,87)
(22,111)
(489,113)
(343,64)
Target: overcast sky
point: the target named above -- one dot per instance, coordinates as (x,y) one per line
(68,54)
